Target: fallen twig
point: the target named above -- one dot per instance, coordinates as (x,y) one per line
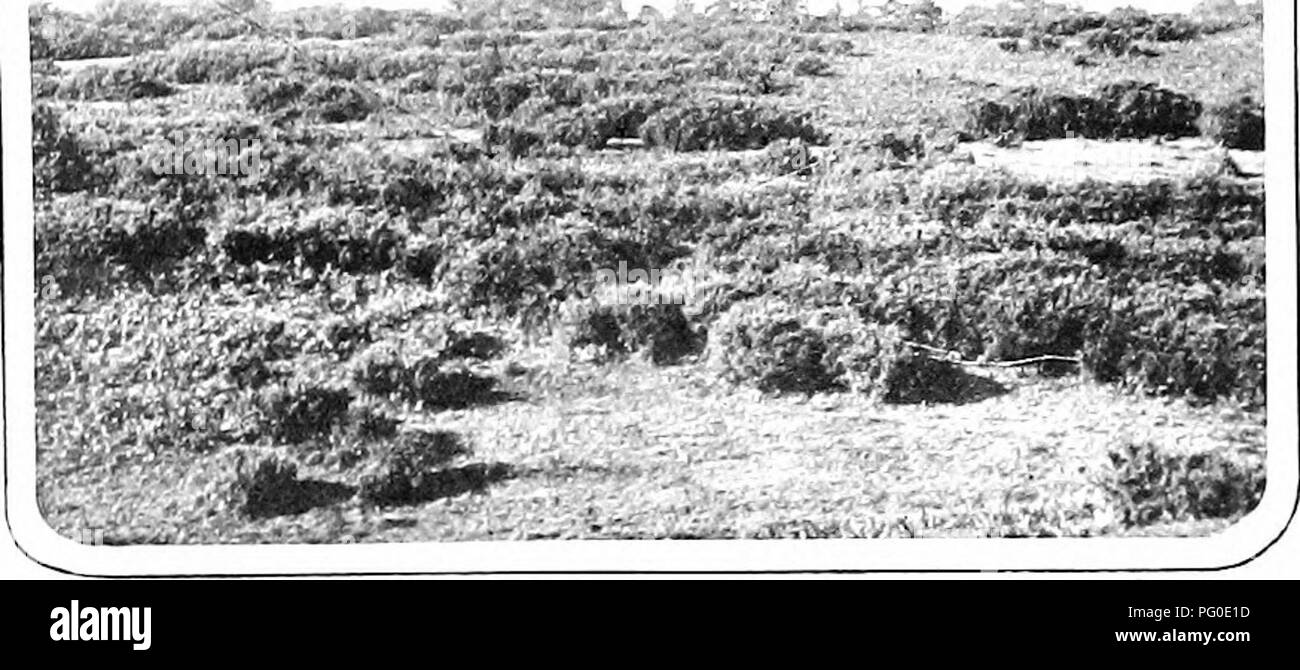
(956,359)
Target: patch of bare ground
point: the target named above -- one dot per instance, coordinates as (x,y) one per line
(1078,159)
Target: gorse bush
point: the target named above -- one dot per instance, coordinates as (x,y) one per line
(127,82)
(216,62)
(274,93)
(812,65)
(1127,109)
(1060,20)
(660,329)
(726,123)
(590,125)
(337,102)
(132,245)
(770,346)
(1237,125)
(1214,203)
(417,377)
(1166,346)
(779,347)
(1149,484)
(326,238)
(266,486)
(328,101)
(405,466)
(296,414)
(60,161)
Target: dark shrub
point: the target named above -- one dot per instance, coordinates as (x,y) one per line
(1162,343)
(1126,109)
(274,93)
(812,65)
(60,161)
(1237,125)
(268,486)
(388,370)
(128,82)
(778,347)
(659,329)
(1149,485)
(297,414)
(338,102)
(725,123)
(406,470)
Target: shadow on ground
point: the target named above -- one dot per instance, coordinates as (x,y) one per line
(451,482)
(400,486)
(297,497)
(944,384)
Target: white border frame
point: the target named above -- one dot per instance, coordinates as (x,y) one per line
(1234,546)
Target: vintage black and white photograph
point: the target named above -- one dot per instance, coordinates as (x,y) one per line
(453,271)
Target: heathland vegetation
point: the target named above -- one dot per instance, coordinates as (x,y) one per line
(395,328)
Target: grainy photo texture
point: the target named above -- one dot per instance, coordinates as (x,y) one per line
(582,269)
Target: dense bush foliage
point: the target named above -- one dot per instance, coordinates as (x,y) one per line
(429,229)
(297,414)
(723,123)
(1237,125)
(1151,484)
(265,486)
(778,347)
(652,324)
(1060,20)
(112,83)
(60,161)
(1126,109)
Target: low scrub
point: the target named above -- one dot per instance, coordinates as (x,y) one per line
(778,347)
(391,370)
(338,101)
(590,125)
(661,330)
(726,123)
(1060,20)
(1184,341)
(140,243)
(1149,484)
(1210,202)
(1121,110)
(323,239)
(297,414)
(402,469)
(112,83)
(1237,125)
(265,486)
(61,162)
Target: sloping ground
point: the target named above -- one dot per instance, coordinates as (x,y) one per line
(1078,159)
(631,451)
(626,450)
